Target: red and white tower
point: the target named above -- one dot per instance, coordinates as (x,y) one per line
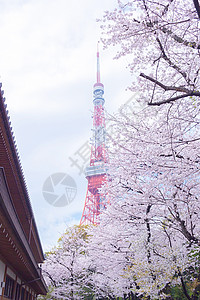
(95,173)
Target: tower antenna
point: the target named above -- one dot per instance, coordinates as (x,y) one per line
(98,64)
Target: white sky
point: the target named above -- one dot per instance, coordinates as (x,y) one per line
(48,68)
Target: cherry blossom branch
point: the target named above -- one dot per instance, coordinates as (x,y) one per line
(165,30)
(183,230)
(177,38)
(166,87)
(154,26)
(50,277)
(166,8)
(171,99)
(165,57)
(148,232)
(168,236)
(188,93)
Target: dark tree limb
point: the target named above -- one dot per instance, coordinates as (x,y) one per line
(166,58)
(148,233)
(188,93)
(196,4)
(166,87)
(171,99)
(184,286)
(166,8)
(183,228)
(179,39)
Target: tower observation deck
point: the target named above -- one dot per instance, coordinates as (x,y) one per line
(95,173)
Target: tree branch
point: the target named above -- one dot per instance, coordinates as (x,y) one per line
(172,99)
(183,228)
(165,30)
(196,4)
(188,93)
(177,38)
(166,8)
(166,87)
(165,57)
(183,285)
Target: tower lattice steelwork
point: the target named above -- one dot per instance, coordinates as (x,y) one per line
(95,173)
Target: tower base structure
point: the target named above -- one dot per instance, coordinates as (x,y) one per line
(95,201)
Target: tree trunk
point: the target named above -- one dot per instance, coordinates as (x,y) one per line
(196,4)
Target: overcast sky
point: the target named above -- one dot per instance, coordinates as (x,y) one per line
(47,69)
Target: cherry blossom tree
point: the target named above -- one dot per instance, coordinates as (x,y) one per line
(67,269)
(154,168)
(161,41)
(154,195)
(110,256)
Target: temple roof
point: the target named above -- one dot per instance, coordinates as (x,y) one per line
(14,193)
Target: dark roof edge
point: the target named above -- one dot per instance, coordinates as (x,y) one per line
(15,152)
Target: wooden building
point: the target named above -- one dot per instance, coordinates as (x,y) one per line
(21,253)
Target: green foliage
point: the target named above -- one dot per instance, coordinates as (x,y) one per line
(74,233)
(177,293)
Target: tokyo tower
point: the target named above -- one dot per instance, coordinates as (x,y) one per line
(95,173)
